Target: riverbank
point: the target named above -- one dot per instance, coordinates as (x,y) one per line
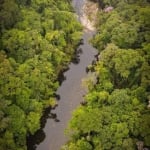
(89,15)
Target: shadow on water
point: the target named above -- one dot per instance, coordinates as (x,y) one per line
(78,52)
(75,60)
(39,136)
(61,77)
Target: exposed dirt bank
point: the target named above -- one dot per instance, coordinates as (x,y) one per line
(89,16)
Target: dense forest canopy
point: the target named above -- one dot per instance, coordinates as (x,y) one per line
(116,111)
(37,41)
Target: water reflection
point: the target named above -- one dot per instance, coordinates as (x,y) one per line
(62,77)
(54,116)
(78,52)
(57,96)
(76,60)
(34,140)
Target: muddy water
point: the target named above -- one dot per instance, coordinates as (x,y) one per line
(71,94)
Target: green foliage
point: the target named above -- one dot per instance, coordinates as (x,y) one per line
(116,113)
(145,133)
(122,64)
(87,117)
(127,26)
(21,45)
(38,39)
(9,13)
(124,35)
(79,145)
(112,122)
(33,122)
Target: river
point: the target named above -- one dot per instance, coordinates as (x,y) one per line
(71,92)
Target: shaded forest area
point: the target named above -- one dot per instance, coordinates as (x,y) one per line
(37,42)
(116,111)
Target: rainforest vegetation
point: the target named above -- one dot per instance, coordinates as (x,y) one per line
(37,41)
(116,111)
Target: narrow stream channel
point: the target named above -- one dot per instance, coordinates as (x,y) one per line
(71,94)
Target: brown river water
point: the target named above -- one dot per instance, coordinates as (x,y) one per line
(71,92)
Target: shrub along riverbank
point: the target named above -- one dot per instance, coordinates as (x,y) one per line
(116,114)
(38,39)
